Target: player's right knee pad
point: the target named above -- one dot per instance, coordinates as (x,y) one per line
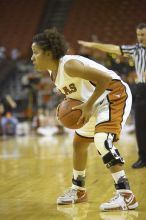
(104,145)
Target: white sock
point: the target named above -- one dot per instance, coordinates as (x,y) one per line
(116,176)
(76,173)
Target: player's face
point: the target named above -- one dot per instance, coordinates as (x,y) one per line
(40,58)
(141,36)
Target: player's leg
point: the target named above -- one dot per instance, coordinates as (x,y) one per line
(124,198)
(77,193)
(114,112)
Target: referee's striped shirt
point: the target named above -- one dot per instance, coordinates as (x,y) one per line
(138,54)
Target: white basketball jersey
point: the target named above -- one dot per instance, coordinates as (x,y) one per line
(77,88)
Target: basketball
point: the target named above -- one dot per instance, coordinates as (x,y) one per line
(67,116)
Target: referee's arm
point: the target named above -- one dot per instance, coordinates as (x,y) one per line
(109,48)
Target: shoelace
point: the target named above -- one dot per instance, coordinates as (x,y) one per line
(115,197)
(70,192)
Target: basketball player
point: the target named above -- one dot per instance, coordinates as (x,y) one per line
(106,106)
(138,53)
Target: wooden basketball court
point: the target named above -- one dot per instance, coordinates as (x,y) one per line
(35,170)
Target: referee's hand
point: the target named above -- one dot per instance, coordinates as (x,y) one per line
(144,75)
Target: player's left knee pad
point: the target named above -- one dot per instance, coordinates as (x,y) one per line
(104,145)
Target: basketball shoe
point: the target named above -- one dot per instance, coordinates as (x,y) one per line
(123,200)
(72,196)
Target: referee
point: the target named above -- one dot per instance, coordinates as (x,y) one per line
(138,53)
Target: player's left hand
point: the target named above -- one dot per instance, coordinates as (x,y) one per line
(87,112)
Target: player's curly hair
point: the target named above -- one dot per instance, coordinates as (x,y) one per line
(51,39)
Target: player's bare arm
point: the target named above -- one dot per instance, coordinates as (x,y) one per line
(109,48)
(101,79)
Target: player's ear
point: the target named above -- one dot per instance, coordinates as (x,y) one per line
(47,53)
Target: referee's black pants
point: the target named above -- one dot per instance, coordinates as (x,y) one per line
(140,119)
